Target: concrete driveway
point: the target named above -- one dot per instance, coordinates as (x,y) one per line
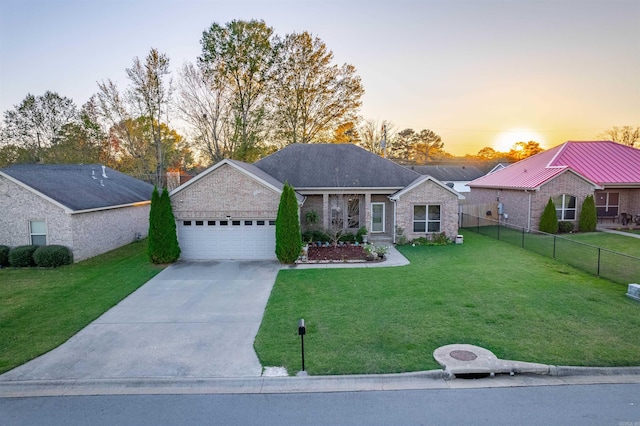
(195,319)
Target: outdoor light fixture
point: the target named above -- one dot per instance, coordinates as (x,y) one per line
(302,330)
(228,217)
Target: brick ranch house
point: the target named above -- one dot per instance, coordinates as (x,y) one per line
(90,209)
(566,173)
(229,210)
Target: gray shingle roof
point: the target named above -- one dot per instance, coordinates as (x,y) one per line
(334,166)
(449,173)
(73,186)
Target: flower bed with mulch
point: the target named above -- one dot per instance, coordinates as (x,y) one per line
(340,253)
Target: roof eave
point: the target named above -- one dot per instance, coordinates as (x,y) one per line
(120,206)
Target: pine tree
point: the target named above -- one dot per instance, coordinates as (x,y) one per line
(288,238)
(588,215)
(549,219)
(163,241)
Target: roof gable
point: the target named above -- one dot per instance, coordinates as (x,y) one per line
(246,168)
(600,163)
(419,181)
(78,187)
(334,166)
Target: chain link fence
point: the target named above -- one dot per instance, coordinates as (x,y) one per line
(617,267)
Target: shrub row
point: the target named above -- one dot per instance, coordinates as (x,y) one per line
(27,256)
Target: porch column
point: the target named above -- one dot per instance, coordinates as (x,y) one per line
(367,212)
(325,210)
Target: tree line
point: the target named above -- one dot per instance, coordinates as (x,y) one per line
(248,94)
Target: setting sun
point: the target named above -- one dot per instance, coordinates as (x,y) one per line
(506,140)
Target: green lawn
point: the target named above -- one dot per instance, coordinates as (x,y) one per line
(42,308)
(613,242)
(484,292)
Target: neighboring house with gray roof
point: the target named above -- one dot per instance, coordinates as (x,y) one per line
(456,177)
(89,208)
(229,210)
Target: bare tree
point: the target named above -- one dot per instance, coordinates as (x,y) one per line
(372,134)
(204,103)
(626,135)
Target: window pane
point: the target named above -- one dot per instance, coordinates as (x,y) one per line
(434,212)
(419,213)
(38,227)
(199,223)
(39,240)
(434,226)
(211,222)
(569,214)
(613,198)
(601,199)
(571,201)
(419,227)
(186,223)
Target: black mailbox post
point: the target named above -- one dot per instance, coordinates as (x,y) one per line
(301,332)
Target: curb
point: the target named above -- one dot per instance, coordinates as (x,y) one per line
(431,379)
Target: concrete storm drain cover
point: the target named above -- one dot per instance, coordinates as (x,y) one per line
(463,355)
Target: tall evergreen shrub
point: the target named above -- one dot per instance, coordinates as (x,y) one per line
(549,219)
(162,242)
(288,239)
(588,215)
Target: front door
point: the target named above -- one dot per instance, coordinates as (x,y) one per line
(377,217)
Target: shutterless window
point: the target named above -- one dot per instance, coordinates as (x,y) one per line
(186,223)
(199,223)
(426,218)
(38,230)
(224,223)
(565,207)
(236,223)
(211,222)
(248,223)
(260,222)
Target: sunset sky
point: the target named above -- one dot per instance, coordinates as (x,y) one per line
(469,70)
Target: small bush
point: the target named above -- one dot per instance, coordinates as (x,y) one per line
(361,233)
(52,256)
(22,256)
(4,256)
(347,237)
(314,236)
(565,227)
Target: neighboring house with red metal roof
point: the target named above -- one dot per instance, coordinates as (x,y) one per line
(88,208)
(566,173)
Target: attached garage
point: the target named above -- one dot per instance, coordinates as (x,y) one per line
(227,239)
(228,212)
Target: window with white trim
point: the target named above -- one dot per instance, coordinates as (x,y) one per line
(426,218)
(565,207)
(38,232)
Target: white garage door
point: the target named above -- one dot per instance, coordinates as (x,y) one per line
(227,239)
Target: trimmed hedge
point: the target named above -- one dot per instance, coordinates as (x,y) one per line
(22,256)
(4,256)
(565,227)
(52,256)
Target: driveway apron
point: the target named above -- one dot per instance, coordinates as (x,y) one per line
(194,319)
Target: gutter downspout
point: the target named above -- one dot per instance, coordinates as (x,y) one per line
(394,220)
(529,212)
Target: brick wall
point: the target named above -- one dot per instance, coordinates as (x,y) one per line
(432,194)
(98,232)
(226,192)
